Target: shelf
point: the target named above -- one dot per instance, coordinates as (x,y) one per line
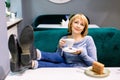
(13,22)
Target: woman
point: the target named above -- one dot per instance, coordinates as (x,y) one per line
(85,54)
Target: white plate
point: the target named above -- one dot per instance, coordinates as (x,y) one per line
(89,72)
(70,50)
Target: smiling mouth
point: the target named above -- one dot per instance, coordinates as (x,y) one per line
(78,29)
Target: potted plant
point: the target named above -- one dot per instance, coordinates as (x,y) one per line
(8,13)
(7,3)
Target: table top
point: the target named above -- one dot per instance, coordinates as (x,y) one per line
(61,74)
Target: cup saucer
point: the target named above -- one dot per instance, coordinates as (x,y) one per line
(70,50)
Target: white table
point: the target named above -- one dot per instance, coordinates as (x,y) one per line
(61,74)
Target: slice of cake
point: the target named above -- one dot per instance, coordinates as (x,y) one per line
(98,67)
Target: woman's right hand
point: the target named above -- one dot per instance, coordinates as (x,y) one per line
(61,43)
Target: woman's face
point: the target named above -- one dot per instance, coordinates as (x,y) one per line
(77,26)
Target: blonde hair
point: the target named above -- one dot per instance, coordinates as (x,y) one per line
(85,23)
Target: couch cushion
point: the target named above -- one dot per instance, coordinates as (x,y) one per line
(107,41)
(47,40)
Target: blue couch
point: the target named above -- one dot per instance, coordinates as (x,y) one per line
(107,41)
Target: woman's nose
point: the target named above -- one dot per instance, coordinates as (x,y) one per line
(78,25)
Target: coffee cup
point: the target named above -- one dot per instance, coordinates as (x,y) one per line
(69,42)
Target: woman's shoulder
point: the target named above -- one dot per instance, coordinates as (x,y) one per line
(88,37)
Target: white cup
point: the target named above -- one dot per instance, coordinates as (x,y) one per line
(69,42)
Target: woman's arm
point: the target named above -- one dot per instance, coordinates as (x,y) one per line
(61,45)
(89,54)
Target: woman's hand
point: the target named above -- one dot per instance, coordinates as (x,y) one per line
(61,43)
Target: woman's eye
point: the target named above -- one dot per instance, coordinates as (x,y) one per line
(82,24)
(79,23)
(76,22)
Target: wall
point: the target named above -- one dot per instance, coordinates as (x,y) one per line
(102,13)
(4,53)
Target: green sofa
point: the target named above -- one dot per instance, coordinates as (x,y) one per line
(107,41)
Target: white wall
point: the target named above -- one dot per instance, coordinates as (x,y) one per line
(101,12)
(4,53)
